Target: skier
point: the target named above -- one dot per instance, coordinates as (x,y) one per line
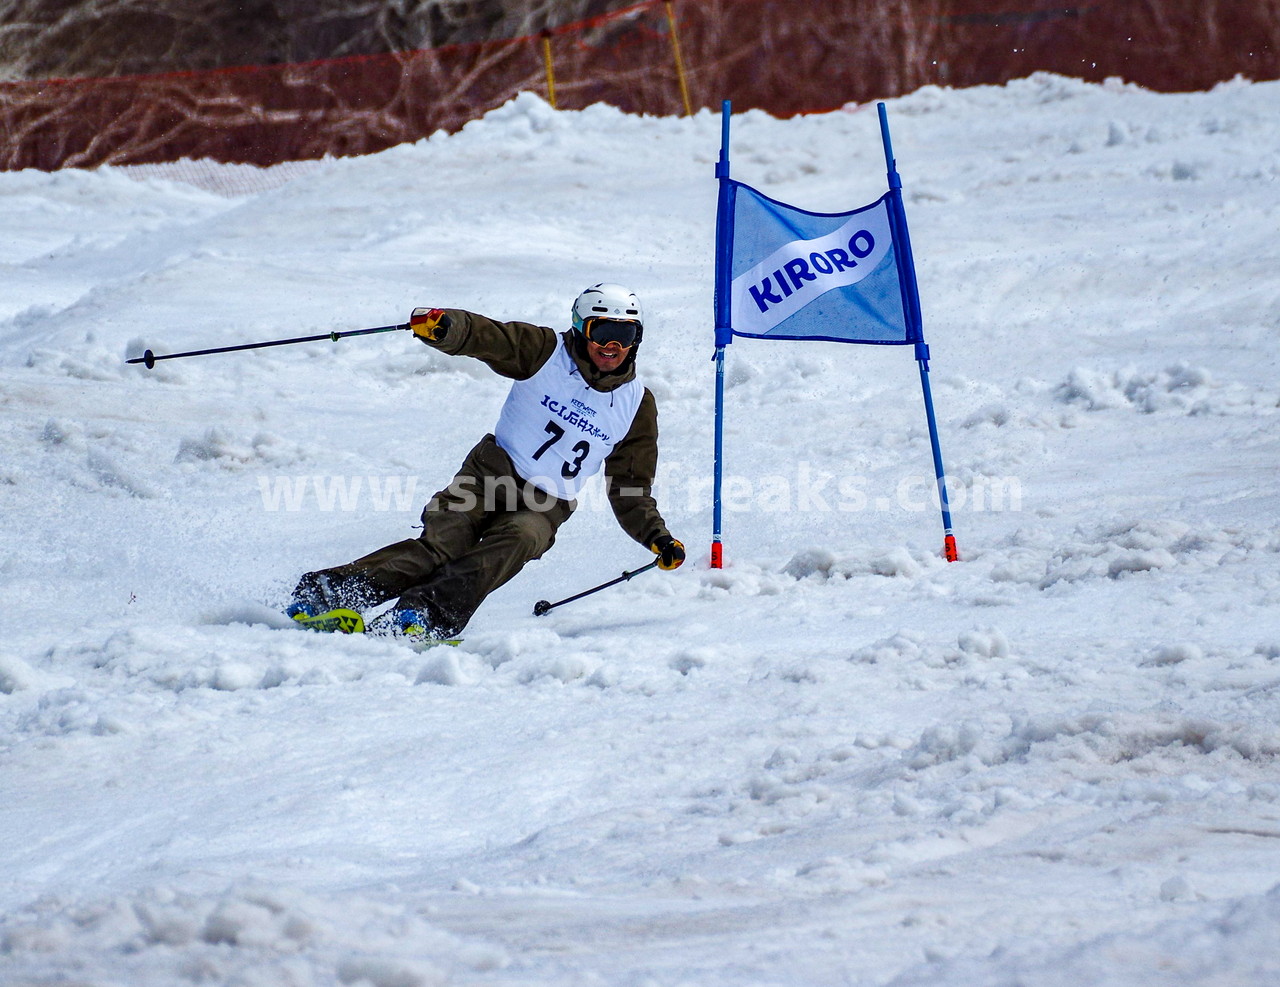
(576,405)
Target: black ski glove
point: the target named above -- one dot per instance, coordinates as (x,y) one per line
(430,325)
(669,551)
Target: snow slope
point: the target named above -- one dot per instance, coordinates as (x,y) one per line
(840,760)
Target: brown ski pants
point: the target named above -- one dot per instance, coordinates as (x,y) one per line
(478,532)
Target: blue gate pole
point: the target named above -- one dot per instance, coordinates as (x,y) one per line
(915,326)
(724,334)
(717,520)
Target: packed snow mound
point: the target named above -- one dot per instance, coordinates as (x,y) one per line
(251,934)
(1213,944)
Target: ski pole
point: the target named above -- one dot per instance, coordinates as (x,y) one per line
(150,359)
(543,607)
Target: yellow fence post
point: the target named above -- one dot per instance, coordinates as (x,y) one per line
(551,72)
(675,47)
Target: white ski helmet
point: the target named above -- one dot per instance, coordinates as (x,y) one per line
(608,301)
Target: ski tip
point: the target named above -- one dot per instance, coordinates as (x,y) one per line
(428,643)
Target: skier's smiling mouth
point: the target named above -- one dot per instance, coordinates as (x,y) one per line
(609,356)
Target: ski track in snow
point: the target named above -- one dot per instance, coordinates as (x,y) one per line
(840,760)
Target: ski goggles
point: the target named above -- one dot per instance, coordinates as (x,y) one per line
(603,331)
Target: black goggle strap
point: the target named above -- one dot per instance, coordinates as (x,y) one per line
(603,331)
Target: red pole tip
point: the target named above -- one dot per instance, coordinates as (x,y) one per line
(949,548)
(717,555)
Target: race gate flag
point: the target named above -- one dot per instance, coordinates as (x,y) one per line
(787,273)
(805,275)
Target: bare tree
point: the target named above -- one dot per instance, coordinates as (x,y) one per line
(421,70)
(46,39)
(41,39)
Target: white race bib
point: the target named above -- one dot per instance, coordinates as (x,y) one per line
(558,431)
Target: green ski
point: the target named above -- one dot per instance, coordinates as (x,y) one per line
(345,621)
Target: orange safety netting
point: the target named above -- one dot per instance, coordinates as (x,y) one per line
(782,56)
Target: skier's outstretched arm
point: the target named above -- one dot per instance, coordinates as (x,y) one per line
(512,349)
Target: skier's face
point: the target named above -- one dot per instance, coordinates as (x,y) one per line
(608,357)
